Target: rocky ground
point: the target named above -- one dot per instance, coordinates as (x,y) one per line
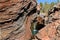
(17,16)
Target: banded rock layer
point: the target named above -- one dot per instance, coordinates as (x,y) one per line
(13,14)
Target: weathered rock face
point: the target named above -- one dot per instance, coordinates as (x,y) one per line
(52,30)
(13,14)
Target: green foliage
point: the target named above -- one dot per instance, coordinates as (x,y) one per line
(46,6)
(41,4)
(52,4)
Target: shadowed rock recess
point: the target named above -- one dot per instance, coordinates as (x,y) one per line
(13,17)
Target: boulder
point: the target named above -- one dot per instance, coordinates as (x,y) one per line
(52,30)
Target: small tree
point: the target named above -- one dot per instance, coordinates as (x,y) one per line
(41,4)
(52,4)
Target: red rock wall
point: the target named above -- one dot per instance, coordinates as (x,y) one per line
(13,14)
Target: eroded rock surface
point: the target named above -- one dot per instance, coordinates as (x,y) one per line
(52,30)
(13,14)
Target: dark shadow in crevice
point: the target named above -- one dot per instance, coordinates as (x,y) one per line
(31,12)
(54,10)
(39,26)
